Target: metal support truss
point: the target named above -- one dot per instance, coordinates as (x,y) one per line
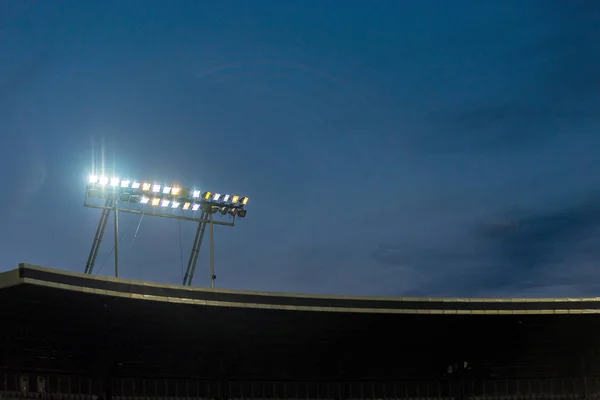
(89,267)
(205,219)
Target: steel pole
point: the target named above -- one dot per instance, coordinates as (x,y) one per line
(212,253)
(116,237)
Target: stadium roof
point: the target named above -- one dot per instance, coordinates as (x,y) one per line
(36,276)
(62,321)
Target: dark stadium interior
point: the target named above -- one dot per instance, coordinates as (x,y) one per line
(53,330)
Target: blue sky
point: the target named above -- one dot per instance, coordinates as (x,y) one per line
(427,148)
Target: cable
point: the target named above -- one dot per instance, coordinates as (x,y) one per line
(113,248)
(138,228)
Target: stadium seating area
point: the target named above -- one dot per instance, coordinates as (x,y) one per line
(66,336)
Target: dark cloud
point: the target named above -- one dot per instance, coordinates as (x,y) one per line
(530,243)
(521,252)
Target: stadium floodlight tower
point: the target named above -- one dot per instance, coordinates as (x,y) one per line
(150,198)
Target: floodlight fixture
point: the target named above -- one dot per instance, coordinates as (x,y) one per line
(150,198)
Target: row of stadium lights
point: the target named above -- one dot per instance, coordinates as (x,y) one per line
(226,203)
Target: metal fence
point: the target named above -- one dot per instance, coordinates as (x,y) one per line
(551,388)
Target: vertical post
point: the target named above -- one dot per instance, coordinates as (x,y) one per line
(116,235)
(212,253)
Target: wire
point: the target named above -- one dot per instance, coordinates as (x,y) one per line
(113,248)
(137,229)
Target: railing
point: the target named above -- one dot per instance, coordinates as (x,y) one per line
(60,387)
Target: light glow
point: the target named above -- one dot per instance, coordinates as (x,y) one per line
(167,196)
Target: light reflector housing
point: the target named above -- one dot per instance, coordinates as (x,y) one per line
(165,196)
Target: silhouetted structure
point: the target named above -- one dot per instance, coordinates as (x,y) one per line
(86,335)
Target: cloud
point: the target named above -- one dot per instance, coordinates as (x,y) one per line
(548,247)
(520,254)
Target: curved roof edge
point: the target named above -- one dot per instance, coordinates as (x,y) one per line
(34,275)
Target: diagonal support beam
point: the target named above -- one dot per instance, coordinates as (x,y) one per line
(89,267)
(191,267)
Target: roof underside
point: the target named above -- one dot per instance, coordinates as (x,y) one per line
(64,321)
